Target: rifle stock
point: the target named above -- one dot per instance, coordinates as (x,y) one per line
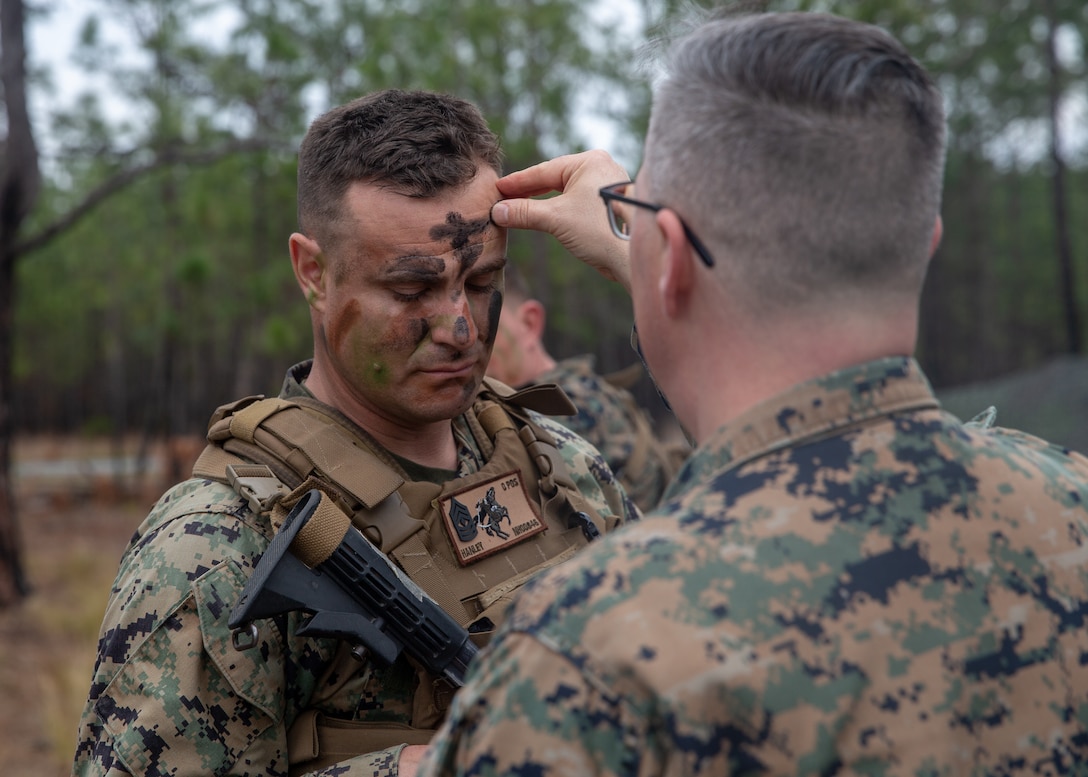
(355,594)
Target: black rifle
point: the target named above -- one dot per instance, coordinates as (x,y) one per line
(355,594)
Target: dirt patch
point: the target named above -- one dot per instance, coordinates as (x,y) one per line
(74,529)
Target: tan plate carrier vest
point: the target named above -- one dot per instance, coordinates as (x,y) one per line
(273,451)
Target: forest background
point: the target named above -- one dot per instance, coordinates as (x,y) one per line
(152,280)
(144,276)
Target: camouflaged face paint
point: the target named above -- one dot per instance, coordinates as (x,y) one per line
(341,325)
(494,309)
(460,330)
(423,328)
(459,232)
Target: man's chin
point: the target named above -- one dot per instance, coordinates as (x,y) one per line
(448,401)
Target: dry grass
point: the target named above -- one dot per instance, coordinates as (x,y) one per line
(73,533)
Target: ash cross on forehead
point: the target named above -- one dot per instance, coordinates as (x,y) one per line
(459,232)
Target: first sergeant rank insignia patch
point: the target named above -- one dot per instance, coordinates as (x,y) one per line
(486,518)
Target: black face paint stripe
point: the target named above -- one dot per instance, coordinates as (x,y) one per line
(494,310)
(424,330)
(460,329)
(459,232)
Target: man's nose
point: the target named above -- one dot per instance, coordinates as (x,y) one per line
(453,325)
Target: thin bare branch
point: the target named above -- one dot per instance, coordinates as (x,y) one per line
(127,177)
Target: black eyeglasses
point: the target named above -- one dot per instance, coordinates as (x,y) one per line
(617,193)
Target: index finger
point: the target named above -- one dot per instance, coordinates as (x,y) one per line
(532,181)
(556,174)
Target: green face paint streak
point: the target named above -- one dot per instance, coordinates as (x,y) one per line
(377,374)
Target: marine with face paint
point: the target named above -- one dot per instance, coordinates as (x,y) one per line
(402,270)
(403,297)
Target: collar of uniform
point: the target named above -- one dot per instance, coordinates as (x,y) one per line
(809,410)
(469,456)
(293,382)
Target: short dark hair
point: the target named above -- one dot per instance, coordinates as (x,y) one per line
(810,147)
(417,143)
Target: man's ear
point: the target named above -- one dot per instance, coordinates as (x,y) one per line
(678,267)
(533,317)
(938,230)
(309,266)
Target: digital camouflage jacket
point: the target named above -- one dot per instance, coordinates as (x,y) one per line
(610,418)
(845,580)
(171,695)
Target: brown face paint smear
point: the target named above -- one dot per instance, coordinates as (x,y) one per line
(494,309)
(339,328)
(459,232)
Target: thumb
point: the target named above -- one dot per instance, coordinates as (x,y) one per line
(517,214)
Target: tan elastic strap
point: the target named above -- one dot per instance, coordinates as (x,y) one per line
(282,507)
(322,534)
(545,454)
(302,742)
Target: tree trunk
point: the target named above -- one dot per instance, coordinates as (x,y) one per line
(20,182)
(1061,221)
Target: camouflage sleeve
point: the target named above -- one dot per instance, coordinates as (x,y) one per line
(529,710)
(382,763)
(170,694)
(594,478)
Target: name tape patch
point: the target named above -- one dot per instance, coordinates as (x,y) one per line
(484,519)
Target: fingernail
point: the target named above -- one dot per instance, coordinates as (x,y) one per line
(500,213)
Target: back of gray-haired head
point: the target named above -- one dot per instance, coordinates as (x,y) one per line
(806,149)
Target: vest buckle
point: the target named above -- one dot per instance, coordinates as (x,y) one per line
(257,483)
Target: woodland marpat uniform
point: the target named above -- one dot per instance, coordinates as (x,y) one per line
(610,419)
(846,580)
(170,693)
